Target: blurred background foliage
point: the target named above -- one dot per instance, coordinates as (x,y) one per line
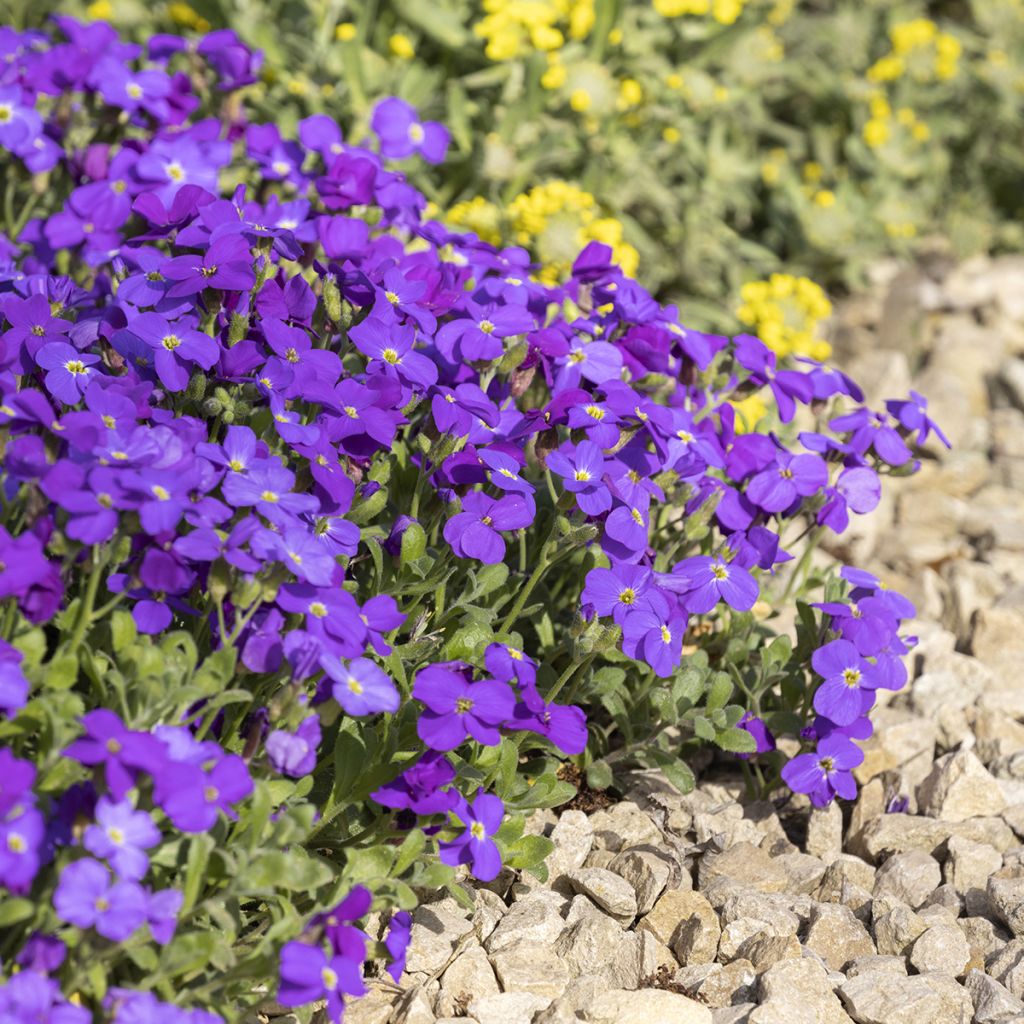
(713,143)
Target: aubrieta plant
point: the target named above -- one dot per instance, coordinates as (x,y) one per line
(333,543)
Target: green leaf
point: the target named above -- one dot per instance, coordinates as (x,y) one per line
(62,672)
(676,770)
(738,741)
(14,911)
(412,846)
(199,849)
(528,852)
(599,775)
(720,691)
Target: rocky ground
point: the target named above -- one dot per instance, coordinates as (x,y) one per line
(665,909)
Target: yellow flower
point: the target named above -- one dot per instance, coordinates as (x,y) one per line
(720,94)
(555,75)
(183,14)
(825,198)
(921,131)
(615,36)
(101,10)
(630,93)
(581,19)
(674,80)
(749,412)
(785,312)
(580,100)
(401,46)
(813,171)
(297,87)
(671,134)
(477,215)
(346,32)
(876,133)
(886,69)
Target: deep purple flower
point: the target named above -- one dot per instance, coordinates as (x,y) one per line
(401,133)
(390,348)
(308,975)
(763,738)
(86,897)
(122,751)
(846,676)
(456,707)
(827,773)
(295,753)
(565,725)
(789,478)
(654,633)
(482,819)
(192,798)
(396,942)
(175,347)
(582,472)
(121,835)
(913,415)
(22,834)
(421,787)
(13,684)
(473,532)
(226,265)
(360,686)
(69,372)
(702,581)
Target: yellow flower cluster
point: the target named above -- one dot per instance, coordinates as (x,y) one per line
(725,12)
(878,130)
(557,219)
(920,49)
(785,312)
(479,216)
(554,220)
(184,15)
(514,28)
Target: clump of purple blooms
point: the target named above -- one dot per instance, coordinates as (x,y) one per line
(283,468)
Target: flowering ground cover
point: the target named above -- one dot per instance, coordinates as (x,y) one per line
(710,141)
(332,535)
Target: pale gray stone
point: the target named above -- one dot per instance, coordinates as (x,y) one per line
(993,1003)
(695,941)
(490,909)
(764,949)
(1006,965)
(619,1006)
(738,1014)
(883,998)
(877,962)
(573,837)
(436,931)
(896,833)
(529,967)
(797,991)
(845,879)
(718,985)
(837,936)
(672,910)
(535,918)
(967,868)
(947,898)
(611,892)
(896,930)
(983,936)
(647,869)
(958,787)
(825,833)
(623,825)
(1007,898)
(469,977)
(744,863)
(507,1008)
(942,948)
(591,945)
(910,877)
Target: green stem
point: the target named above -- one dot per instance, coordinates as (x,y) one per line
(88,601)
(524,594)
(800,571)
(575,666)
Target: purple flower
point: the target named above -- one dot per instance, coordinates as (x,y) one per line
(420,787)
(563,725)
(308,975)
(396,942)
(176,348)
(295,753)
(473,532)
(582,473)
(86,897)
(69,371)
(13,684)
(827,773)
(162,911)
(456,707)
(846,675)
(913,415)
(192,798)
(21,846)
(360,687)
(703,581)
(226,265)
(475,847)
(123,752)
(617,591)
(654,633)
(390,348)
(763,738)
(402,134)
(121,835)
(789,478)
